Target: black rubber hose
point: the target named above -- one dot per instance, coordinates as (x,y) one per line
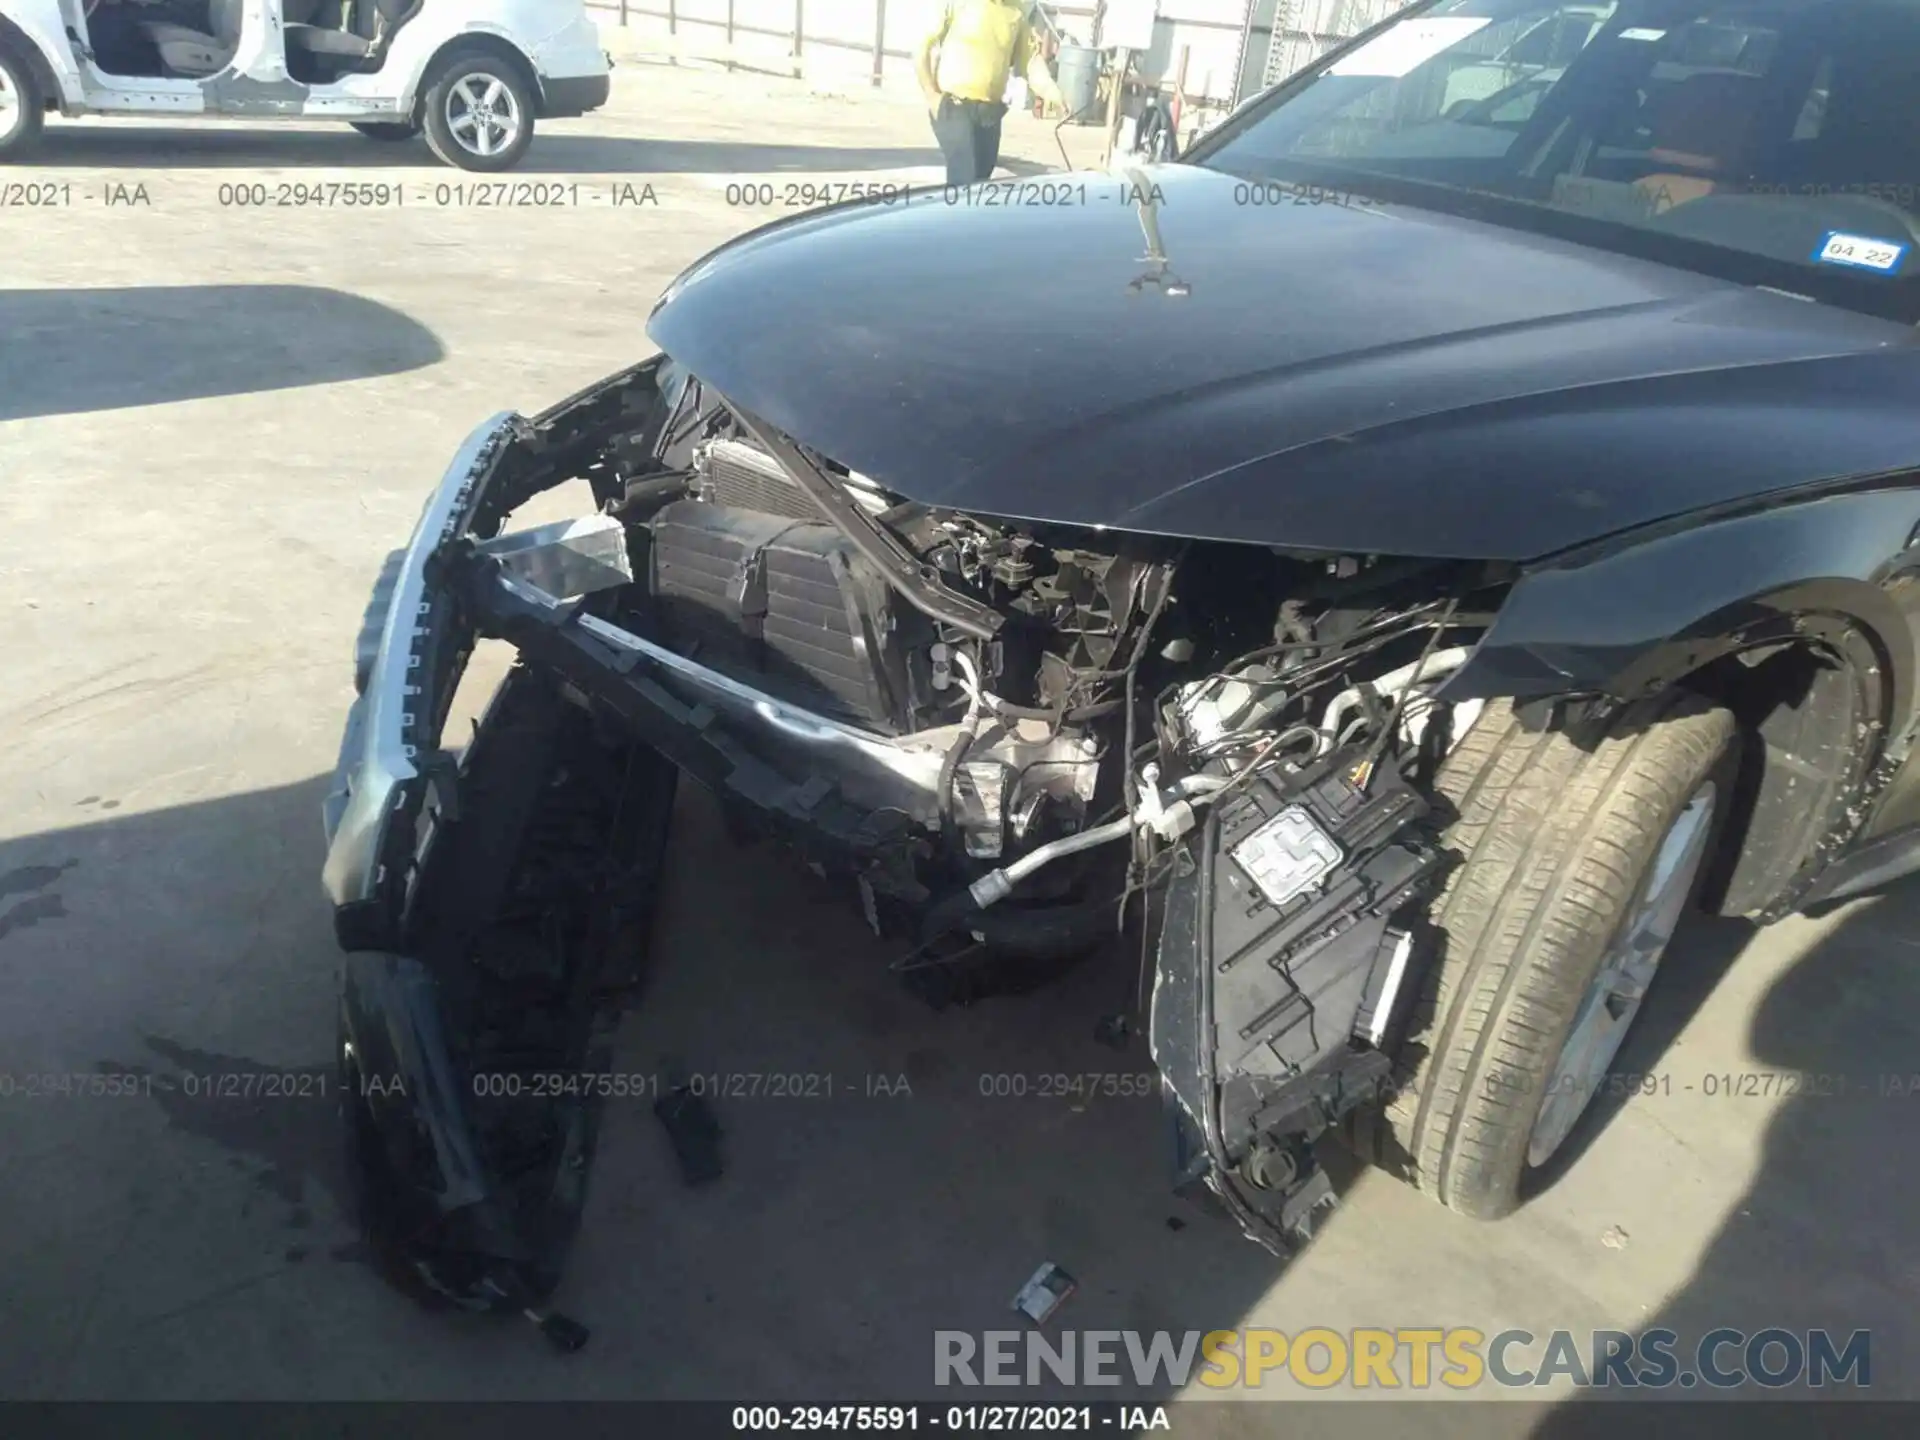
(1049,932)
(643,497)
(1045,932)
(948,913)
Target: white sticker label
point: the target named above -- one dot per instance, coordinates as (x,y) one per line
(1288,856)
(1863,252)
(1407,45)
(1639,34)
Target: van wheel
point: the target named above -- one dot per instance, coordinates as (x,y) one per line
(390,130)
(1575,857)
(22,106)
(479,112)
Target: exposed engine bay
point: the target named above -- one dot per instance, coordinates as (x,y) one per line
(1017,745)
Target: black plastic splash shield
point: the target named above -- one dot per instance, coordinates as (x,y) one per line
(1256,1003)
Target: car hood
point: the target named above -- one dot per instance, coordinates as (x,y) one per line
(1335,375)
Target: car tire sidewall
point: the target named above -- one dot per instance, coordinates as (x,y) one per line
(1505,1179)
(23,126)
(440,137)
(1552,837)
(1722,773)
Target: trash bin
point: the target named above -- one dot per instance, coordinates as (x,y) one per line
(1079,73)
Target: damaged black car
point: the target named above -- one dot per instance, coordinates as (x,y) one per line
(1482,524)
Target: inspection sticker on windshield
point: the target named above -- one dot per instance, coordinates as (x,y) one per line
(1863,252)
(1409,44)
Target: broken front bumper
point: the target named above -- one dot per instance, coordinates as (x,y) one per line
(1272,1015)
(409,640)
(465,1195)
(418,629)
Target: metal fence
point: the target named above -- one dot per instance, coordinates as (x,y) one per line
(835,25)
(1232,48)
(876,38)
(1304,30)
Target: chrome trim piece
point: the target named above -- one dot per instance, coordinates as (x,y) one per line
(568,558)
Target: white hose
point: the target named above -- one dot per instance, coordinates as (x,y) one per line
(991,888)
(970,682)
(1432,667)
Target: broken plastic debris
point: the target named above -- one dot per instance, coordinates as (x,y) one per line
(692,1128)
(564,1334)
(1045,1293)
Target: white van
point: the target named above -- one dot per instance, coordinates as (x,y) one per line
(473,74)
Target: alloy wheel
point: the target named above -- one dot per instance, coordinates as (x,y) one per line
(9,104)
(483,114)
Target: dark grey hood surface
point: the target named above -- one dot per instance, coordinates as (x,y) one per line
(1344,377)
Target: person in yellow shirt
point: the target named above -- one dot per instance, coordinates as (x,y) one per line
(979,43)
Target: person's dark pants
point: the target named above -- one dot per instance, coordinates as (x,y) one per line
(969,136)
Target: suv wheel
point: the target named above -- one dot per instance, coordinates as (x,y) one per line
(22,106)
(1574,860)
(479,112)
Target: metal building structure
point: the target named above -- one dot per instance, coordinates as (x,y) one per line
(1300,32)
(1304,30)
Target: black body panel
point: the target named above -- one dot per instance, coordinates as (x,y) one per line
(1277,1019)
(1631,616)
(1342,377)
(572,95)
(1626,619)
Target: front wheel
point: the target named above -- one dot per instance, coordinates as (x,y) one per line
(479,112)
(22,106)
(1575,857)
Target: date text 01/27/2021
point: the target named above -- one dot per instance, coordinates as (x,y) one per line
(729,1085)
(907,1419)
(1748,1085)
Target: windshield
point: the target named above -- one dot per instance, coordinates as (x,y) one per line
(1776,143)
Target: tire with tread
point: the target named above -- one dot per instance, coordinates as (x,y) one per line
(450,71)
(1552,840)
(21,123)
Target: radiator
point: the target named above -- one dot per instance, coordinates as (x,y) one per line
(731,473)
(789,606)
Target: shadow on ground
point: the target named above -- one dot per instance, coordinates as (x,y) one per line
(1825,1237)
(189,1239)
(71,352)
(156,147)
(882,1182)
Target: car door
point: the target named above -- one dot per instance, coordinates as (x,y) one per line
(257,83)
(136,65)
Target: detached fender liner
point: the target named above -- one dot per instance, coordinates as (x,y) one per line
(495,908)
(468,1064)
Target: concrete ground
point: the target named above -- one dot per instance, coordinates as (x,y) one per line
(215,419)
